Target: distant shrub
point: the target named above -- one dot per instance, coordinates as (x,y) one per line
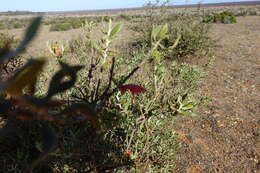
(13,23)
(223,17)
(2,26)
(191,35)
(67,23)
(60,27)
(76,23)
(125,17)
(194,37)
(107,18)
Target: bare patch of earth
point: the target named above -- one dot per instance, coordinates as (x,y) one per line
(226,136)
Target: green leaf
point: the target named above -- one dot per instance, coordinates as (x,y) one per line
(176,42)
(188,106)
(155,32)
(163,31)
(24,77)
(115,31)
(57,84)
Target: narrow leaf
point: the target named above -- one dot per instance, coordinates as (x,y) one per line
(80,112)
(176,42)
(115,31)
(163,32)
(155,32)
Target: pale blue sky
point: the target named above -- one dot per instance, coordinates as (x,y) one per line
(66,5)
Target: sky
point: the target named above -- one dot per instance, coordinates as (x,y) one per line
(70,5)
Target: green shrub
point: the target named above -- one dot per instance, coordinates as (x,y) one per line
(61,27)
(14,23)
(192,37)
(77,23)
(222,17)
(66,23)
(107,18)
(125,17)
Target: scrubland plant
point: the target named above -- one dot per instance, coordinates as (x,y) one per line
(19,105)
(191,35)
(121,107)
(225,17)
(13,23)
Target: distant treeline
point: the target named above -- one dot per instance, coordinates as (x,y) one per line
(10,13)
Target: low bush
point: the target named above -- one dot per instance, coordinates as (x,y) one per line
(225,17)
(191,35)
(124,17)
(194,38)
(66,23)
(14,23)
(61,27)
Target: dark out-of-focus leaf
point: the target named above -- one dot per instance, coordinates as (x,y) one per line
(49,145)
(24,115)
(81,112)
(8,129)
(5,106)
(29,35)
(57,84)
(26,76)
(35,104)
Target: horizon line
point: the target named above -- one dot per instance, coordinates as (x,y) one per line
(230,3)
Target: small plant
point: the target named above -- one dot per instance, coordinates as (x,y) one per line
(56,49)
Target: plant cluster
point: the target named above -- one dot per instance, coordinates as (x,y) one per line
(185,33)
(225,17)
(13,23)
(120,106)
(68,23)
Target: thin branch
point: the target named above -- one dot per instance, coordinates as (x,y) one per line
(110,78)
(108,95)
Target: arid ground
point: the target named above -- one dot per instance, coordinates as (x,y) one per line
(226,137)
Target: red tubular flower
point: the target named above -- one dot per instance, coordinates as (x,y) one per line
(135,89)
(128,153)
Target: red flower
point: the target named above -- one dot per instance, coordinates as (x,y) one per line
(128,153)
(135,89)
